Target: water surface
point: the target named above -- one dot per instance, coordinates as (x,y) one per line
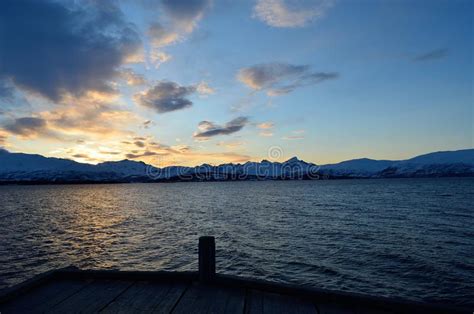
(410,238)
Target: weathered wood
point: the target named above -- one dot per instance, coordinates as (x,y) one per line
(74,291)
(29,284)
(43,297)
(349,299)
(211,299)
(207,259)
(332,308)
(147,297)
(75,295)
(162,276)
(366,310)
(93,298)
(259,302)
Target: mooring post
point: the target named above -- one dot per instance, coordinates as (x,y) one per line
(207,259)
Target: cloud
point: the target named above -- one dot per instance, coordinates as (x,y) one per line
(81,156)
(281,78)
(160,36)
(265,125)
(93,116)
(91,119)
(297,135)
(166,96)
(26,126)
(139,143)
(6,90)
(2,142)
(52,49)
(110,152)
(159,57)
(209,129)
(144,154)
(290,13)
(147,124)
(185,13)
(11,101)
(266,133)
(265,75)
(266,128)
(204,89)
(293,137)
(181,17)
(132,78)
(232,144)
(432,55)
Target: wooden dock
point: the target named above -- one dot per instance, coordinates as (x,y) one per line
(71,290)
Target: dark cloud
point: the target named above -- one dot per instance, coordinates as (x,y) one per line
(52,49)
(83,156)
(166,96)
(144,154)
(139,143)
(185,10)
(281,78)
(110,152)
(6,90)
(10,99)
(26,126)
(432,55)
(209,129)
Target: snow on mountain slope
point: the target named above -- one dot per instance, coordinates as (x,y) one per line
(449,162)
(465,156)
(12,162)
(356,167)
(124,167)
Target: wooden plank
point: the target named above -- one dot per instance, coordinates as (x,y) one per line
(372,310)
(146,297)
(334,308)
(110,274)
(264,302)
(254,302)
(211,299)
(330,296)
(43,297)
(94,297)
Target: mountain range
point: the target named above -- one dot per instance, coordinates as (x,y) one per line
(20,168)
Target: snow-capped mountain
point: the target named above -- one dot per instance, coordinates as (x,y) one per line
(448,163)
(29,168)
(357,167)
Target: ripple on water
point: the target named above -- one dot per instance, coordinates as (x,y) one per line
(405,238)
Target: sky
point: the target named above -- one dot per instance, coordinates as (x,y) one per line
(175,82)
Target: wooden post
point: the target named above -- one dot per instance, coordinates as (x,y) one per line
(207,259)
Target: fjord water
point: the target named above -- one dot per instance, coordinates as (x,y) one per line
(409,238)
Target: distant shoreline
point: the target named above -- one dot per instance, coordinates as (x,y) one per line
(28,169)
(86,182)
